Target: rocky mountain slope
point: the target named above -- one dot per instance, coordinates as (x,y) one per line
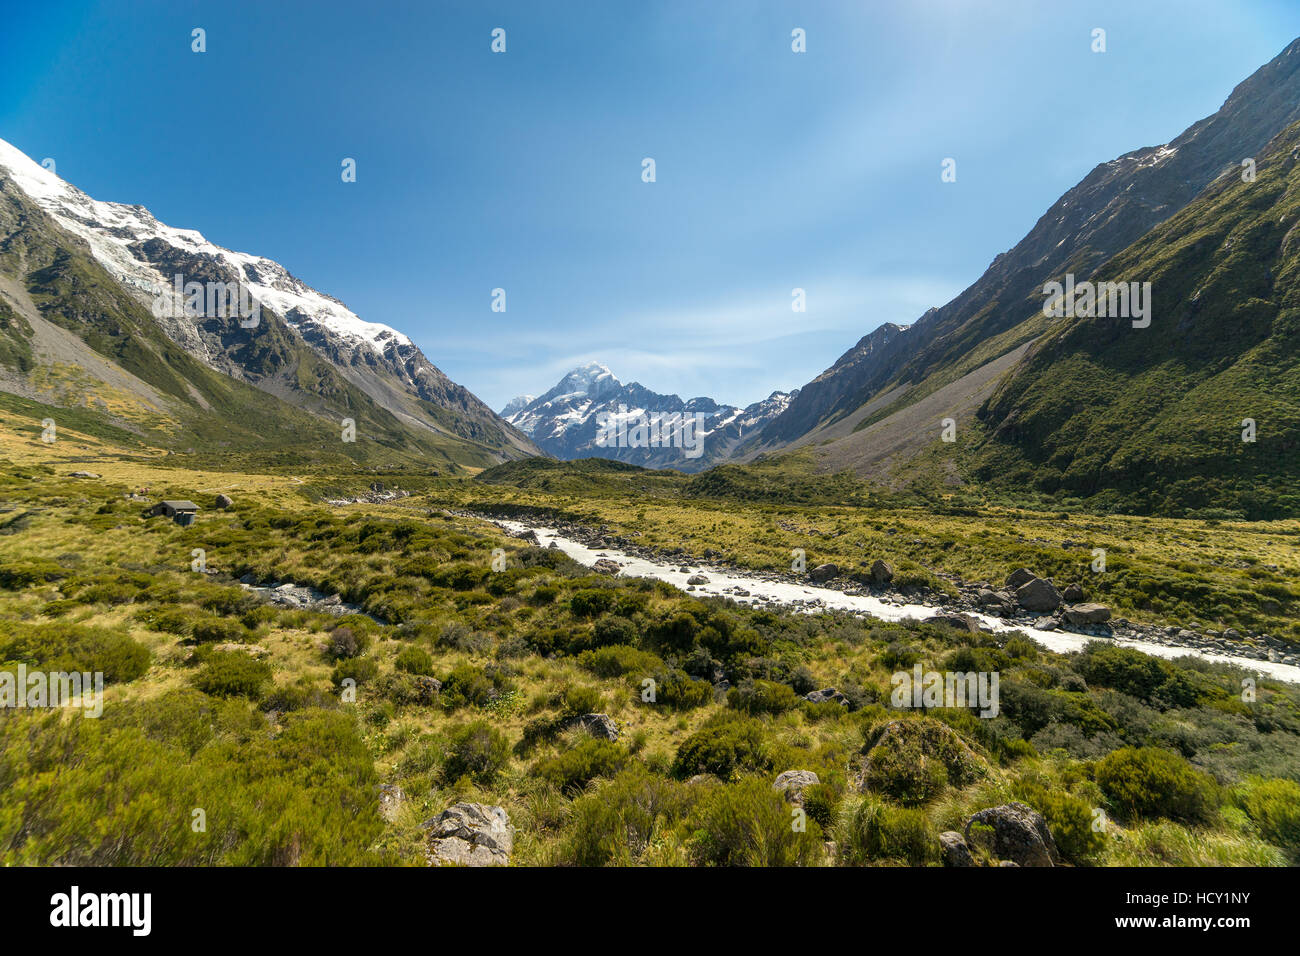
(566,421)
(306,348)
(968,344)
(1200,411)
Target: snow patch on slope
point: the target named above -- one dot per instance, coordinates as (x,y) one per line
(110,228)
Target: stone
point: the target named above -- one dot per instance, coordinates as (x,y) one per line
(953,849)
(792,784)
(470,834)
(83,474)
(607,566)
(1083,614)
(598,725)
(825,696)
(963,622)
(1013,832)
(1038,595)
(881,572)
(225,501)
(429,688)
(823,572)
(1022,576)
(697,579)
(1073,594)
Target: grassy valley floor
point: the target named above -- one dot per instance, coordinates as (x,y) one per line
(237,730)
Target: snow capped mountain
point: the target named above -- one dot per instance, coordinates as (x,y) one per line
(591,414)
(147,256)
(516,404)
(112,229)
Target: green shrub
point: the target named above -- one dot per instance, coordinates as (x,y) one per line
(1150,782)
(615,630)
(761,697)
(726,743)
(589,602)
(869,831)
(232,674)
(414,660)
(362,670)
(617,660)
(573,769)
(1149,679)
(1274,807)
(468,685)
(218,630)
(750,824)
(476,750)
(1071,821)
(618,823)
(70,647)
(677,690)
(913,759)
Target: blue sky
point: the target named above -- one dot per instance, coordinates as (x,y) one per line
(522,170)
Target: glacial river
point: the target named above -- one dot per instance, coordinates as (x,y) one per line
(797,596)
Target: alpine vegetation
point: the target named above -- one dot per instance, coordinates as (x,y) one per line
(1012,580)
(1123,300)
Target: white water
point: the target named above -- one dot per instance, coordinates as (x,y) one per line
(790,595)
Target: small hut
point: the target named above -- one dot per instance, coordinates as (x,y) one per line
(182,512)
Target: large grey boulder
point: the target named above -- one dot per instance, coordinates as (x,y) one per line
(224,501)
(792,784)
(1081,615)
(823,572)
(953,849)
(470,834)
(825,696)
(1038,595)
(963,622)
(598,725)
(1019,577)
(1013,832)
(881,572)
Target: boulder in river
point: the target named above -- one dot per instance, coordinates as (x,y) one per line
(963,622)
(1081,615)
